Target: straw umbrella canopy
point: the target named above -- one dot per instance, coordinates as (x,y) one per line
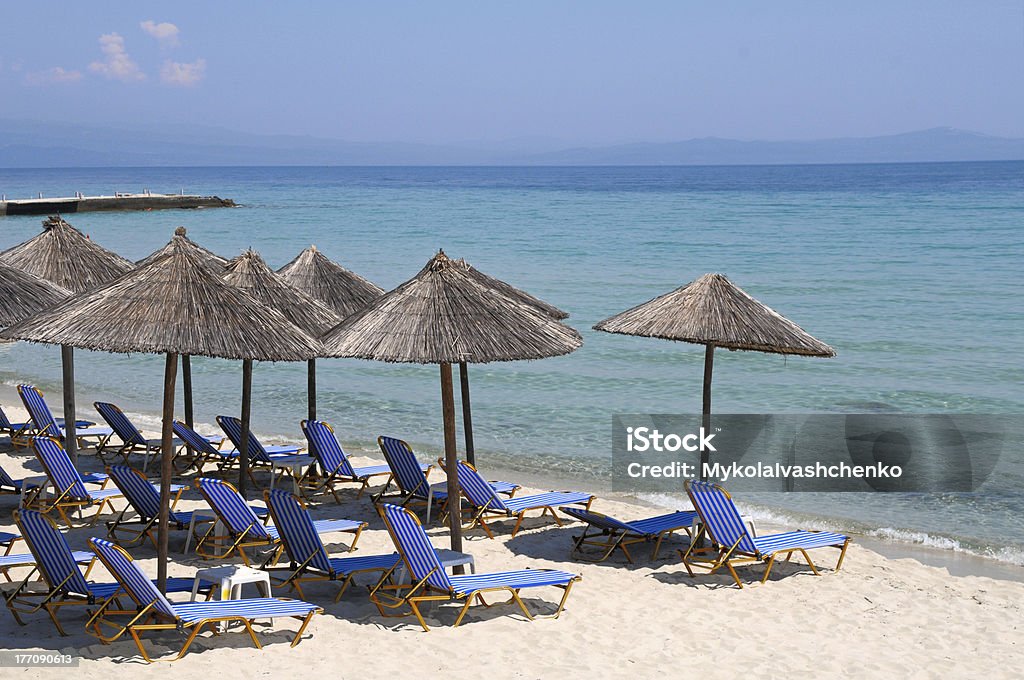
(65,256)
(342,290)
(23,294)
(714,312)
(519,296)
(444,316)
(216,264)
(175,305)
(251,273)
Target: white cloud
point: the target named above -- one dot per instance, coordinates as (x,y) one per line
(116,65)
(53,75)
(165,33)
(184,74)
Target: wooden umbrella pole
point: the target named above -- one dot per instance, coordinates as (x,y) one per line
(186,387)
(311,387)
(709,364)
(67,361)
(467,413)
(451,458)
(243,453)
(166,454)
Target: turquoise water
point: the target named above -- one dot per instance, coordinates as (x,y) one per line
(912,272)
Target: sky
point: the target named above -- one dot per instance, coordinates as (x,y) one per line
(587,72)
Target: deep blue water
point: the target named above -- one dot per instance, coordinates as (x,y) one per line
(912,272)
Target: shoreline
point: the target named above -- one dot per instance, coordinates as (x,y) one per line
(957,562)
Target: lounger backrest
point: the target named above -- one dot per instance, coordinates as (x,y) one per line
(414,546)
(406,469)
(476,489)
(231,508)
(5,479)
(53,556)
(5,422)
(143,498)
(597,520)
(59,468)
(233,429)
(127,573)
(38,411)
(324,446)
(296,529)
(119,423)
(720,516)
(193,439)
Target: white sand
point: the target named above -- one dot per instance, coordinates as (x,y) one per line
(877,617)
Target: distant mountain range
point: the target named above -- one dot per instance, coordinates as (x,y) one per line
(33,144)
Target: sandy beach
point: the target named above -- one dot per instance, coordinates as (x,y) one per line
(877,617)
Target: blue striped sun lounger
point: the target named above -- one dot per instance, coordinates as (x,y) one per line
(334,465)
(410,476)
(244,528)
(19,432)
(608,534)
(152,611)
(485,503)
(143,499)
(282,459)
(203,449)
(20,486)
(45,425)
(69,488)
(132,439)
(432,584)
(59,567)
(733,544)
(308,559)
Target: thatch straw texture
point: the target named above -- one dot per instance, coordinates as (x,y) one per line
(212,259)
(175,304)
(444,315)
(714,311)
(250,273)
(63,255)
(23,294)
(511,291)
(322,279)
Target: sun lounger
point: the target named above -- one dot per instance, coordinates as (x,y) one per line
(69,492)
(144,500)
(20,431)
(45,425)
(308,559)
(244,528)
(153,611)
(732,543)
(59,567)
(430,582)
(132,439)
(203,449)
(485,503)
(411,477)
(608,534)
(284,459)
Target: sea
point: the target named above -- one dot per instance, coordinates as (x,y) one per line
(912,272)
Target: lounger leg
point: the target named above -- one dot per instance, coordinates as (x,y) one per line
(768,569)
(520,517)
(419,616)
(810,563)
(842,554)
(302,628)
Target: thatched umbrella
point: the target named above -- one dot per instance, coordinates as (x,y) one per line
(444,316)
(23,294)
(322,279)
(65,256)
(714,312)
(216,264)
(519,296)
(249,272)
(175,305)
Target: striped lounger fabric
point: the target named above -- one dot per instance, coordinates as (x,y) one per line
(59,567)
(485,502)
(335,466)
(69,492)
(432,584)
(45,425)
(132,439)
(144,499)
(245,530)
(611,534)
(733,544)
(153,611)
(274,458)
(203,449)
(308,559)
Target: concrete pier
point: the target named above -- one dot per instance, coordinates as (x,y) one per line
(80,203)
